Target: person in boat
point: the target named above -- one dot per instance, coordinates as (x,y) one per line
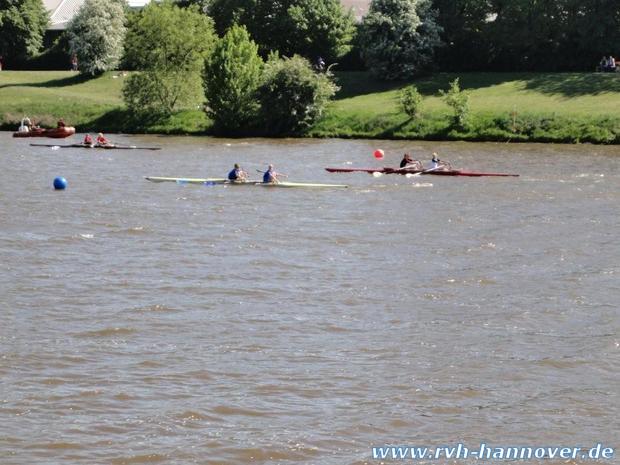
(271,176)
(102,141)
(61,123)
(25,125)
(88,140)
(437,164)
(237,174)
(410,163)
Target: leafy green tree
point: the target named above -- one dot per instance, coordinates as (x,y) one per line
(310,28)
(399,38)
(591,29)
(22,25)
(96,34)
(320,28)
(232,76)
(464,26)
(553,35)
(459,101)
(225,13)
(202,5)
(292,95)
(168,45)
(410,101)
(523,34)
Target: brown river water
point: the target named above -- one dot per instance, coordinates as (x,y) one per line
(147,323)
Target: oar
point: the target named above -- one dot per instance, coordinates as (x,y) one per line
(419,173)
(408,167)
(126,146)
(276,174)
(48,145)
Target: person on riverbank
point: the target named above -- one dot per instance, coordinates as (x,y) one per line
(237,174)
(611,64)
(271,176)
(320,64)
(410,163)
(61,123)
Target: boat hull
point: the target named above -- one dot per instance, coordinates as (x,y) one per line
(56,133)
(104,147)
(403,171)
(222,181)
(300,184)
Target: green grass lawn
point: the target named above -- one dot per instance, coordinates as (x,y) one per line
(594,94)
(560,107)
(49,95)
(89,104)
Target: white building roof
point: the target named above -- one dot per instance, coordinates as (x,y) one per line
(62,11)
(62,14)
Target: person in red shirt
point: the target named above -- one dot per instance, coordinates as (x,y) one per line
(102,141)
(88,140)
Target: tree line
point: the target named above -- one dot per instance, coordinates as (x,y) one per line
(464,35)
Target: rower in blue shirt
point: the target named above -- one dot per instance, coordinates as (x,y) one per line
(237,174)
(270,176)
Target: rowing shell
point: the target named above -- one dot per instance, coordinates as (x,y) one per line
(387,170)
(222,181)
(107,147)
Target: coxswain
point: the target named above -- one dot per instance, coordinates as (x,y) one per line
(237,174)
(271,177)
(61,123)
(410,163)
(88,140)
(102,141)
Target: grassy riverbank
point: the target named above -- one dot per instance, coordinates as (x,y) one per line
(566,107)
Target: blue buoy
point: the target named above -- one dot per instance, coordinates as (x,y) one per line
(60,183)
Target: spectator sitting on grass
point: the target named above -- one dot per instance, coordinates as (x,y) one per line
(611,64)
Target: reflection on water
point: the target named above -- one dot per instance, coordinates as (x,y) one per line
(159,323)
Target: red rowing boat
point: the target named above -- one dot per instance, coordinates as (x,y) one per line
(56,133)
(388,170)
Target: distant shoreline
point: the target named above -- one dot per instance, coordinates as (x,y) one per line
(505,107)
